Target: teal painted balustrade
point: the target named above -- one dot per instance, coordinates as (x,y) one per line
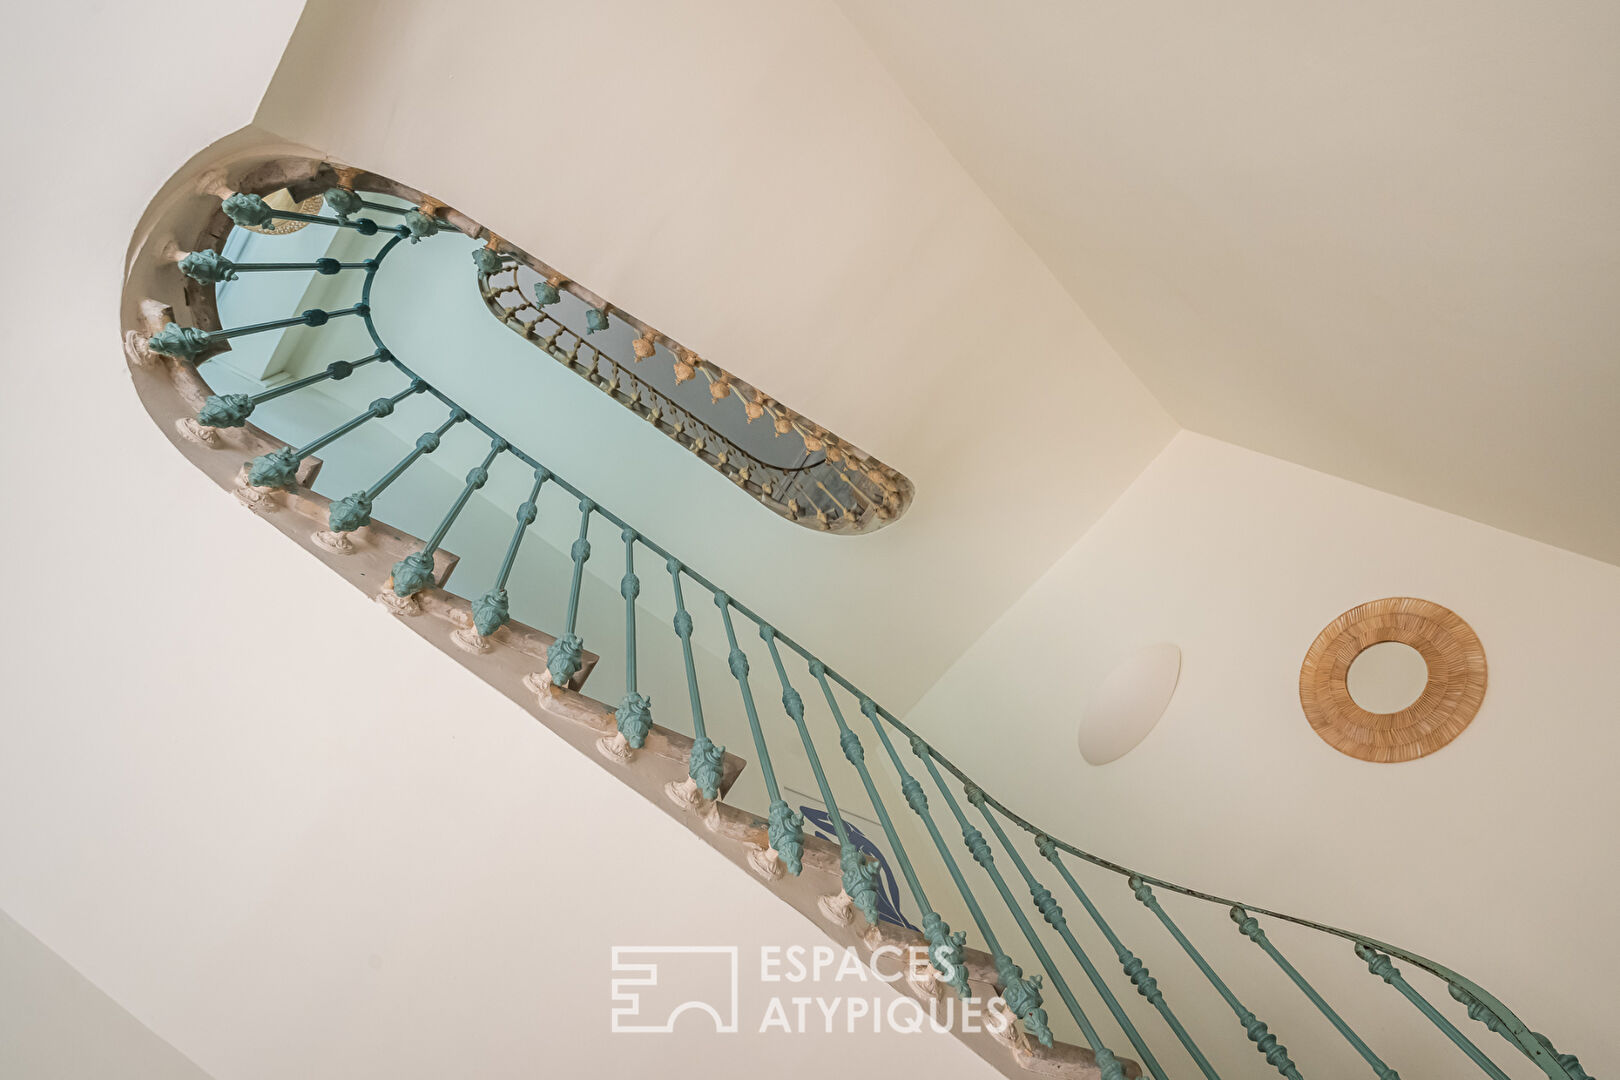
(1164,1041)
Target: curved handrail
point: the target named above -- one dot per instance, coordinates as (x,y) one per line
(879,495)
(777,487)
(1481,1005)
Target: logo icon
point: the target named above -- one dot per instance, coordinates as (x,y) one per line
(651,989)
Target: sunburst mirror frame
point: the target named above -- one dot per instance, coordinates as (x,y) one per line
(1455,690)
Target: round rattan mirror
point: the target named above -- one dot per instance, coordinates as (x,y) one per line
(1455,686)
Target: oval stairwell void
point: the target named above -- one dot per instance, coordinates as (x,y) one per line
(560,589)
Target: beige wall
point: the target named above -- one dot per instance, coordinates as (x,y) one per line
(1493,855)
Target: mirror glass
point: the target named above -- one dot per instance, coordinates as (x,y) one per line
(1387,677)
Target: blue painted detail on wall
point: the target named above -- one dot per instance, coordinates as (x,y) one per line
(888,906)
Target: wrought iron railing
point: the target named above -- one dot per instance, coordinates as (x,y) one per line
(828,485)
(966,804)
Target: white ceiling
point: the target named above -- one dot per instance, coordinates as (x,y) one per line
(1381,240)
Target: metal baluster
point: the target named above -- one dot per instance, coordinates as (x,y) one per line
(279,468)
(634,715)
(1022,993)
(850,743)
(252,212)
(185,342)
(566,654)
(859,872)
(1478,1010)
(232,410)
(1019,991)
(353,511)
(210,267)
(1250,928)
(945,947)
(705,763)
(1145,984)
(784,825)
(414,572)
(1380,965)
(1052,912)
(1276,1053)
(493,610)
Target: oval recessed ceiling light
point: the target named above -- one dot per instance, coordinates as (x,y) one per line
(1129,703)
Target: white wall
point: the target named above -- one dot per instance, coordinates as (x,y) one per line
(285,835)
(1493,855)
(56,1025)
